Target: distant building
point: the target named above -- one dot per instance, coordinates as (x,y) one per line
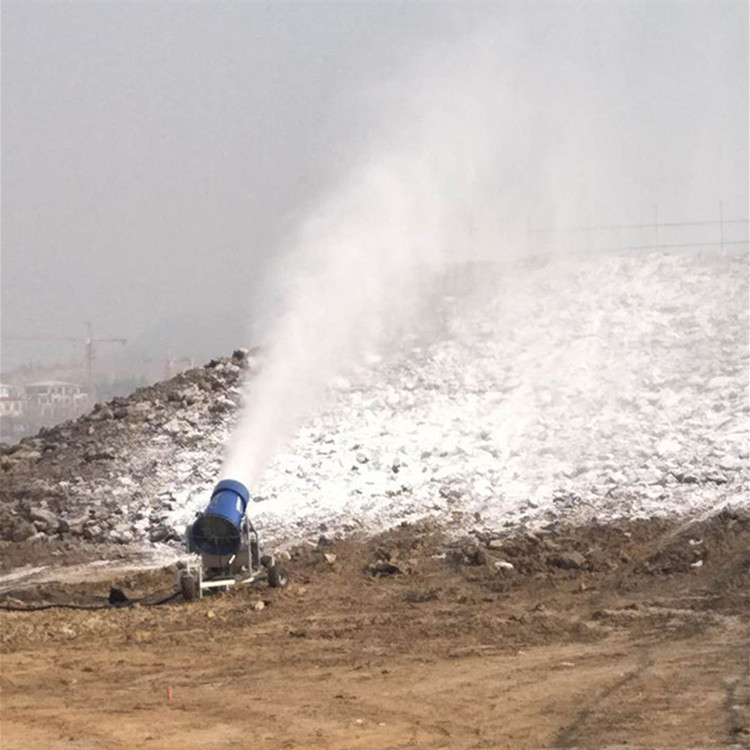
(53,394)
(13,412)
(25,409)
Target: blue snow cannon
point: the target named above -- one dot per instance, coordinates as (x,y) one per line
(220,529)
(227,544)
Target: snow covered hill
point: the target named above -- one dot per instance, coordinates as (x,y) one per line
(596,388)
(588,388)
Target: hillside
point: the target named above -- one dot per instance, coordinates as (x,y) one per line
(594,388)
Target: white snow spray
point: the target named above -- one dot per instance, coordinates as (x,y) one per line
(477,137)
(361,261)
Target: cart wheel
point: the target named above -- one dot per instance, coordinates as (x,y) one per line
(188,587)
(277,577)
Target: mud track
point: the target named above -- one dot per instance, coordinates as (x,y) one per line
(604,636)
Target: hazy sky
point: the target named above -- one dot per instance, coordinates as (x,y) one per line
(155,155)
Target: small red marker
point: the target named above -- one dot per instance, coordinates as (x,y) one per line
(169,692)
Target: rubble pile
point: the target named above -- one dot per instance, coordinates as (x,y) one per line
(101,478)
(590,389)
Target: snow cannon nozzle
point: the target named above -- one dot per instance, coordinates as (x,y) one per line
(218,531)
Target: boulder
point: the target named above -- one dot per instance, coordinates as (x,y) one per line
(121,534)
(76,525)
(567,560)
(163,533)
(45,520)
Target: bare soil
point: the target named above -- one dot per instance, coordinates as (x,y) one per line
(628,635)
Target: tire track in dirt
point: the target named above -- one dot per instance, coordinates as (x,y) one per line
(569,736)
(737,703)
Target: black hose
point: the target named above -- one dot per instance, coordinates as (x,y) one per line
(103,605)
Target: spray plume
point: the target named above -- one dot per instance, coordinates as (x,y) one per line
(361,262)
(473,139)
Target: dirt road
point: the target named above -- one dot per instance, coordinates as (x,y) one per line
(598,637)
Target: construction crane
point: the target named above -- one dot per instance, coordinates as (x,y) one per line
(89,342)
(170,362)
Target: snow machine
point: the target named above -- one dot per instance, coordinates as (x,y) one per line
(227,544)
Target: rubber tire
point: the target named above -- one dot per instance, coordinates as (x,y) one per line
(277,577)
(188,587)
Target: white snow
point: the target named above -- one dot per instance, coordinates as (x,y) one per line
(590,388)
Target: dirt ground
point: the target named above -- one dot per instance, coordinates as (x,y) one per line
(632,635)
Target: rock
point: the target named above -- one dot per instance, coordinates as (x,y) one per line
(104,413)
(190,395)
(567,560)
(384,568)
(450,493)
(504,565)
(221,405)
(163,533)
(117,596)
(121,534)
(76,525)
(259,605)
(142,410)
(685,478)
(495,544)
(22,530)
(28,455)
(474,556)
(98,456)
(158,534)
(45,520)
(173,427)
(330,557)
(716,477)
(92,531)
